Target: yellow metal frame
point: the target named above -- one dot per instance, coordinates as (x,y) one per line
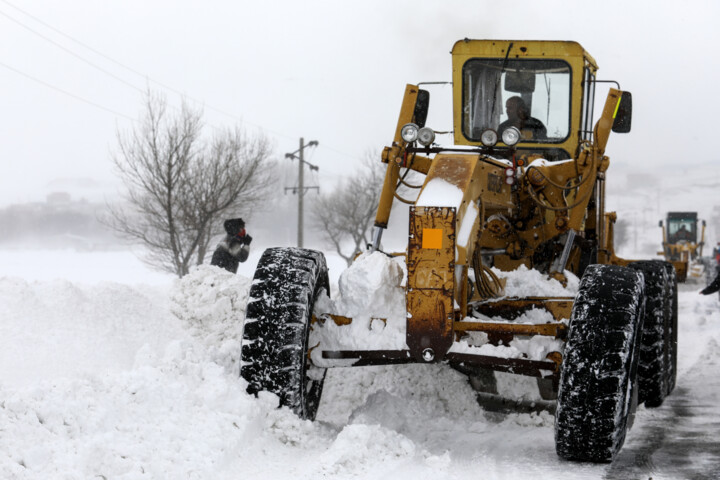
(550,200)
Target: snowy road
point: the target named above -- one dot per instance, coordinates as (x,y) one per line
(129,382)
(680,439)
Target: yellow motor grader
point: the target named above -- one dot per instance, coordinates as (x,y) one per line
(522,187)
(681,246)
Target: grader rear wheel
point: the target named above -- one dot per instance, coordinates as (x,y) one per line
(654,368)
(672,325)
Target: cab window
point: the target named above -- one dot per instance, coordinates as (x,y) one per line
(531,95)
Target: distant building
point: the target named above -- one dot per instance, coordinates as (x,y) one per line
(58,198)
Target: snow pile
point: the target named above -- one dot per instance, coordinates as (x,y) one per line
(173,416)
(522,282)
(372,286)
(525,282)
(57,328)
(210,302)
(371,293)
(356,443)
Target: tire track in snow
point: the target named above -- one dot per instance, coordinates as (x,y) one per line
(678,440)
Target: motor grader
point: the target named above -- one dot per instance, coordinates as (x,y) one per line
(681,246)
(522,187)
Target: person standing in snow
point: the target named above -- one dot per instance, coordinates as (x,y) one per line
(234,248)
(713,287)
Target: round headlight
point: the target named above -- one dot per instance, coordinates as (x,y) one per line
(489,138)
(511,136)
(426,136)
(409,132)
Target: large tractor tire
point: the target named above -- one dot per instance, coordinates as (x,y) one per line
(672,325)
(654,368)
(277,326)
(597,395)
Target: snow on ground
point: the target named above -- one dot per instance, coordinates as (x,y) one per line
(111,375)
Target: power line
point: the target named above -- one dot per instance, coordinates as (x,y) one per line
(70,52)
(130,69)
(77,97)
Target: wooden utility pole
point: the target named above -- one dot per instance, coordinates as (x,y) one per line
(301,188)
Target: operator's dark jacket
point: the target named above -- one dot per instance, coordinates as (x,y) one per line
(234,248)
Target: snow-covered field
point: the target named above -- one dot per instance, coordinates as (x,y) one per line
(110,371)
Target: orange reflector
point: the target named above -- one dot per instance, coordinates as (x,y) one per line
(432,238)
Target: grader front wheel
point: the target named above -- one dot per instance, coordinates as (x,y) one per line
(597,393)
(275,337)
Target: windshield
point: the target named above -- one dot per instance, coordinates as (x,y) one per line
(531,95)
(681,229)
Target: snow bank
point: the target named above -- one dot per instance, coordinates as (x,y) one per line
(104,381)
(56,328)
(175,415)
(210,302)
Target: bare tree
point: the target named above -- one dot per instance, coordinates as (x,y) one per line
(179,186)
(344,216)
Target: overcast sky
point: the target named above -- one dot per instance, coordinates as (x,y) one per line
(73,72)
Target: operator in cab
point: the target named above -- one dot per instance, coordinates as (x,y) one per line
(519,117)
(683,234)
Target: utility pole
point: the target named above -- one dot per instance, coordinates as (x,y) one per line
(301,188)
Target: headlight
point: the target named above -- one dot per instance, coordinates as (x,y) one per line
(489,138)
(511,136)
(409,132)
(426,136)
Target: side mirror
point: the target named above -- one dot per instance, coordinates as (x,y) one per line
(703,223)
(422,105)
(660,224)
(623,116)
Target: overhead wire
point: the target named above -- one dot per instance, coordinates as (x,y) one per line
(77,97)
(70,52)
(136,72)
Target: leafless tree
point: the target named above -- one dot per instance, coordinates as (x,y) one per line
(180,186)
(345,215)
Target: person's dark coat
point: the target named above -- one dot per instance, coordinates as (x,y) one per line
(713,287)
(234,248)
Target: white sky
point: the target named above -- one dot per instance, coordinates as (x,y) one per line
(325,70)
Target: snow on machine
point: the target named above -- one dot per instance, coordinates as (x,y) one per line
(521,192)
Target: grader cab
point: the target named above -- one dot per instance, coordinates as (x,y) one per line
(522,188)
(683,244)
